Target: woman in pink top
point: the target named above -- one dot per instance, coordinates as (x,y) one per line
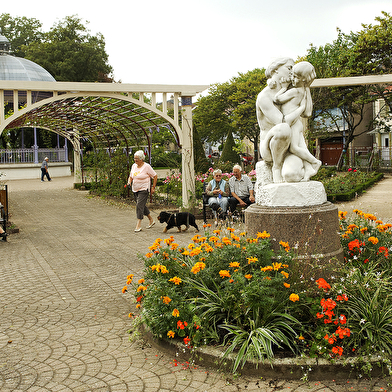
(140,179)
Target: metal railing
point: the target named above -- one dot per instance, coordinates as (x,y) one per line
(31,155)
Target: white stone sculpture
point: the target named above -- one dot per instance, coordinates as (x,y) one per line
(280,107)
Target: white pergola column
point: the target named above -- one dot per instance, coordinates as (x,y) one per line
(188,165)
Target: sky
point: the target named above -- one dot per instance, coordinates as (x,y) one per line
(202,42)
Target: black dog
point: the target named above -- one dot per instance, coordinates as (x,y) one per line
(181,218)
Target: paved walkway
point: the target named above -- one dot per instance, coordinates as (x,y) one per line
(63,318)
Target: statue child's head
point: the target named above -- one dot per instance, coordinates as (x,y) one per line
(305,72)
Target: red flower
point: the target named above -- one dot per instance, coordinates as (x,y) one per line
(187,340)
(322,284)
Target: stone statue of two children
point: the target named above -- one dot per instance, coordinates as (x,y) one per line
(280,107)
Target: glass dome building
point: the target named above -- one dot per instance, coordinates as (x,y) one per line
(17,68)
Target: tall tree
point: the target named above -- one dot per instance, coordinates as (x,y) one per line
(21,32)
(70,53)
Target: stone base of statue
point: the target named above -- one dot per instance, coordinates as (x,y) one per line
(312,233)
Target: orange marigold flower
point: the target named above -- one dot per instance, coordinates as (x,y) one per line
(214,239)
(373,240)
(191,246)
(301,337)
(185,253)
(252,259)
(231,280)
(176,313)
(285,245)
(294,297)
(217,231)
(342,214)
(149,255)
(166,299)
(285,274)
(195,252)
(130,277)
(224,274)
(277,266)
(287,285)
(171,334)
(263,235)
(268,268)
(370,217)
(234,264)
(174,246)
(248,276)
(230,229)
(124,289)
(352,226)
(130,315)
(141,288)
(176,280)
(199,266)
(141,281)
(364,230)
(337,350)
(138,306)
(226,241)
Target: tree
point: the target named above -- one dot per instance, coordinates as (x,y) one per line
(201,161)
(70,53)
(230,108)
(228,153)
(339,105)
(21,32)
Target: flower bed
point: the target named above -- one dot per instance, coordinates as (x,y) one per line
(225,289)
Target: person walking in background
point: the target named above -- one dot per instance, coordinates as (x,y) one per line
(241,189)
(140,179)
(3,234)
(44,170)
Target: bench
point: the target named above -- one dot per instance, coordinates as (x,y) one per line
(239,211)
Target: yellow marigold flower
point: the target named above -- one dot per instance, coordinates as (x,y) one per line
(230,229)
(185,253)
(285,274)
(171,334)
(208,248)
(294,297)
(130,315)
(141,281)
(141,288)
(285,265)
(176,313)
(196,237)
(364,230)
(234,264)
(248,276)
(284,244)
(226,241)
(214,239)
(199,266)
(342,215)
(263,235)
(252,259)
(287,285)
(268,268)
(224,274)
(217,231)
(130,276)
(124,289)
(175,280)
(138,306)
(166,299)
(277,266)
(161,268)
(373,240)
(345,235)
(237,245)
(243,234)
(202,259)
(195,252)
(191,246)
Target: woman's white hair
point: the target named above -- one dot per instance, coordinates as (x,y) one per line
(139,154)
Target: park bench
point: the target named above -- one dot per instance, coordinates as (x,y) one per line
(239,213)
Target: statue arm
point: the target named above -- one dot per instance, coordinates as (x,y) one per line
(267,109)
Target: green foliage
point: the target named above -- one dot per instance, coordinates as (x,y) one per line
(70,53)
(201,162)
(21,32)
(228,153)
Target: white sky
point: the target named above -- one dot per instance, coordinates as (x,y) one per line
(203,41)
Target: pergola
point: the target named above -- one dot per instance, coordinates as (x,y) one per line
(110,115)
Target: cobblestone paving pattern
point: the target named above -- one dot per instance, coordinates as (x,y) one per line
(63,318)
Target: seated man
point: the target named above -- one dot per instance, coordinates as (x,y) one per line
(241,189)
(218,191)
